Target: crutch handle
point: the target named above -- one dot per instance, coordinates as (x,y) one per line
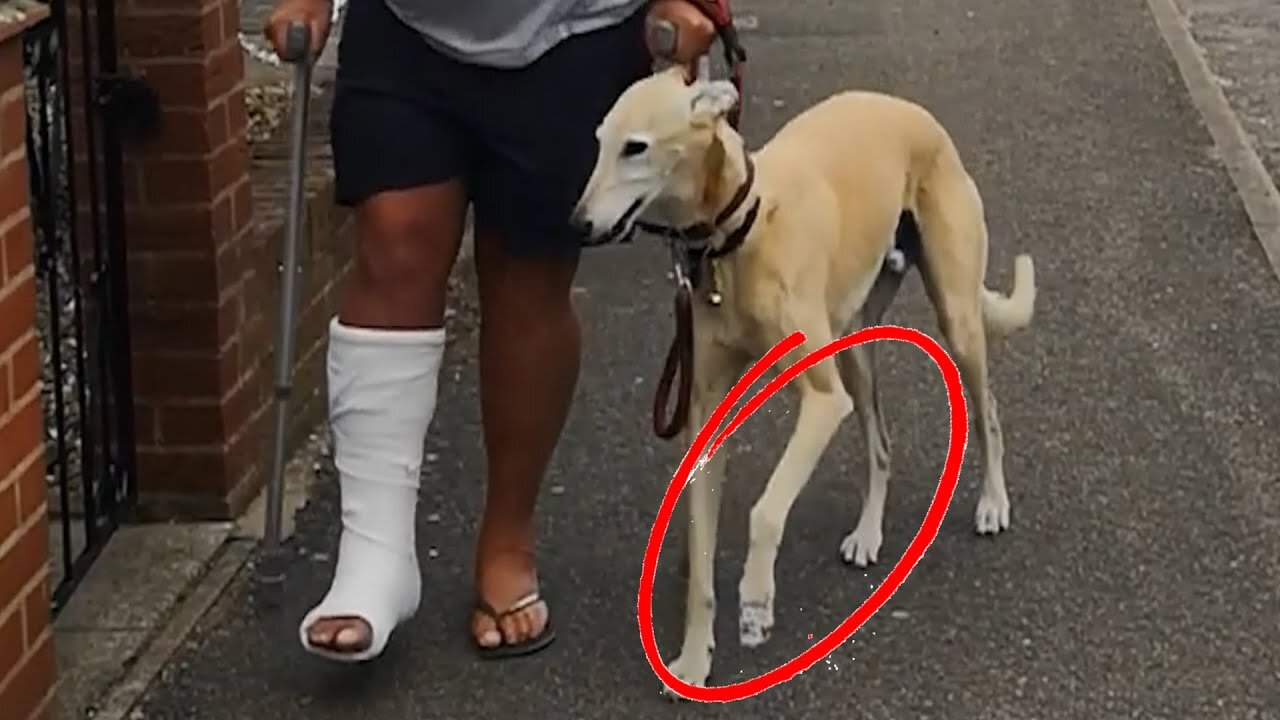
(678,31)
(297,43)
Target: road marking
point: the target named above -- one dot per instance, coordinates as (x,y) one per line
(1252,181)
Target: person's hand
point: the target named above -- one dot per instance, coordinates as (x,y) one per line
(678,32)
(315,14)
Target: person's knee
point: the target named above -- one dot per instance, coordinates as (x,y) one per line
(405,249)
(402,246)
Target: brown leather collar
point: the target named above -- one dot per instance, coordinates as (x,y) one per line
(703,231)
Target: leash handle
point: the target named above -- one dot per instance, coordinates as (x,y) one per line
(682,32)
(736,77)
(735,55)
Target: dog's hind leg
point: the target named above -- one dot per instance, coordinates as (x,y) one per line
(965,333)
(716,370)
(824,402)
(955,254)
(858,371)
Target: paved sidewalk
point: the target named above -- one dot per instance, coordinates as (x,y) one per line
(1139,579)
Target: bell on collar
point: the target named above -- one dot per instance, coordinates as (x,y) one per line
(714,296)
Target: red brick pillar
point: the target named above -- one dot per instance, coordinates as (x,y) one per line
(193,264)
(27,674)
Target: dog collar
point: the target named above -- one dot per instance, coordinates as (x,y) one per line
(703,231)
(734,240)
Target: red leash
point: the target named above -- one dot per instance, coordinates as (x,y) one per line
(679,359)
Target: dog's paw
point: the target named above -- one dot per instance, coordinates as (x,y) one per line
(862,546)
(693,668)
(992,515)
(755,621)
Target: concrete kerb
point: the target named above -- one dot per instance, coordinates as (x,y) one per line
(1253,184)
(147,591)
(124,609)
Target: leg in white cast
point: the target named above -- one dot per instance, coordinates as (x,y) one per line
(382,394)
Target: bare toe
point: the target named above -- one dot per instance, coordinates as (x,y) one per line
(524,624)
(341,634)
(485,630)
(321,632)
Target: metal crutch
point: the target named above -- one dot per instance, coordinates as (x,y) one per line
(297,52)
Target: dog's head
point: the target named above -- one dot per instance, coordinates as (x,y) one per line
(654,152)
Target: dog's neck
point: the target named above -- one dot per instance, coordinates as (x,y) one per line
(723,213)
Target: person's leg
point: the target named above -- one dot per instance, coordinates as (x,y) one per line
(529,356)
(536,149)
(398,162)
(385,351)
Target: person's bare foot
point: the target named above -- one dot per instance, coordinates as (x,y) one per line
(509,613)
(341,634)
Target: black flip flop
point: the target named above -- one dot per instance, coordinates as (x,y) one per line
(506,650)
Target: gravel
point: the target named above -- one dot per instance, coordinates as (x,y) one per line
(60,290)
(63,391)
(267,105)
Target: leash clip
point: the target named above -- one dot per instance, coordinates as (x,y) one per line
(685,260)
(683,280)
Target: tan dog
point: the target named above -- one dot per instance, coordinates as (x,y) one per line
(814,233)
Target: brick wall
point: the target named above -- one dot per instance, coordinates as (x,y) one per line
(203,268)
(189,237)
(27,674)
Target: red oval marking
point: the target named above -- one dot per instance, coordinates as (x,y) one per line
(959,437)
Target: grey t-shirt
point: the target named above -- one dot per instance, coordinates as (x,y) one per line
(506,33)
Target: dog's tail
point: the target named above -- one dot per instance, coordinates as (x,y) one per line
(1004,314)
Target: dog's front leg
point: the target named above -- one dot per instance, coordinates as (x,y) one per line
(693,665)
(824,402)
(714,376)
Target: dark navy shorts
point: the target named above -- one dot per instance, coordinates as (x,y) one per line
(521,140)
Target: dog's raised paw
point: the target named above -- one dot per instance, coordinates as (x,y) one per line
(862,546)
(693,668)
(755,622)
(992,515)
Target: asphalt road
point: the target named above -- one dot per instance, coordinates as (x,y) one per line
(1141,578)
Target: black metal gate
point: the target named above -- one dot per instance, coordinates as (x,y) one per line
(77,210)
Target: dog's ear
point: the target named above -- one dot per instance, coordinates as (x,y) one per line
(712,100)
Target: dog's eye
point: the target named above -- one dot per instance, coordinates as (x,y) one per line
(631,148)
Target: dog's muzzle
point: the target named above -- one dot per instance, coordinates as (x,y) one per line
(621,230)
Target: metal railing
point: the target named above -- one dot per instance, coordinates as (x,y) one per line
(82,316)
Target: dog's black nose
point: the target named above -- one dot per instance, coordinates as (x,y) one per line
(581,224)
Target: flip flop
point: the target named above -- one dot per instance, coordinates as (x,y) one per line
(527,647)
